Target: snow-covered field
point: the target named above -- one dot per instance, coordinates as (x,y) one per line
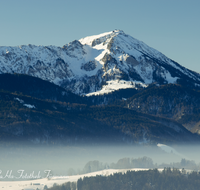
(40,183)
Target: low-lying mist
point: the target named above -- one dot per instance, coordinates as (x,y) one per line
(71,160)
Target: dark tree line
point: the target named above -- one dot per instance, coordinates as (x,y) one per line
(65,186)
(168,179)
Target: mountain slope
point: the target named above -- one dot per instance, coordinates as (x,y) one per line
(30,120)
(171,101)
(97,64)
(38,88)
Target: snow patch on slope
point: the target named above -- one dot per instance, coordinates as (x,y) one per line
(116,85)
(26,105)
(29,106)
(169,149)
(20,101)
(90,39)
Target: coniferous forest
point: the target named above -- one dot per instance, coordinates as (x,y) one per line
(168,179)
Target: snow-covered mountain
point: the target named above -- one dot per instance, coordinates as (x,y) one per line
(96,64)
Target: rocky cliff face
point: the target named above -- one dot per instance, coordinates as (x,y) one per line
(95,64)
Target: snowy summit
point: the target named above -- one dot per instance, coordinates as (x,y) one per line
(96,64)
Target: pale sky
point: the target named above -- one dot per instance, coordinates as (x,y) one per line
(170,26)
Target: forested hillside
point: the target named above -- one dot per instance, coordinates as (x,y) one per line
(168,179)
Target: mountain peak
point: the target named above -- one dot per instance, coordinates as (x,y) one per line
(97,64)
(118,31)
(100,38)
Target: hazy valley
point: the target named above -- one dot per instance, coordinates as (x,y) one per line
(96,100)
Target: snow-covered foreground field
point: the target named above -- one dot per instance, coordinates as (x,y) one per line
(40,183)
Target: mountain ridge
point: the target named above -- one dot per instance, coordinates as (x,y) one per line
(89,65)
(137,92)
(34,121)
